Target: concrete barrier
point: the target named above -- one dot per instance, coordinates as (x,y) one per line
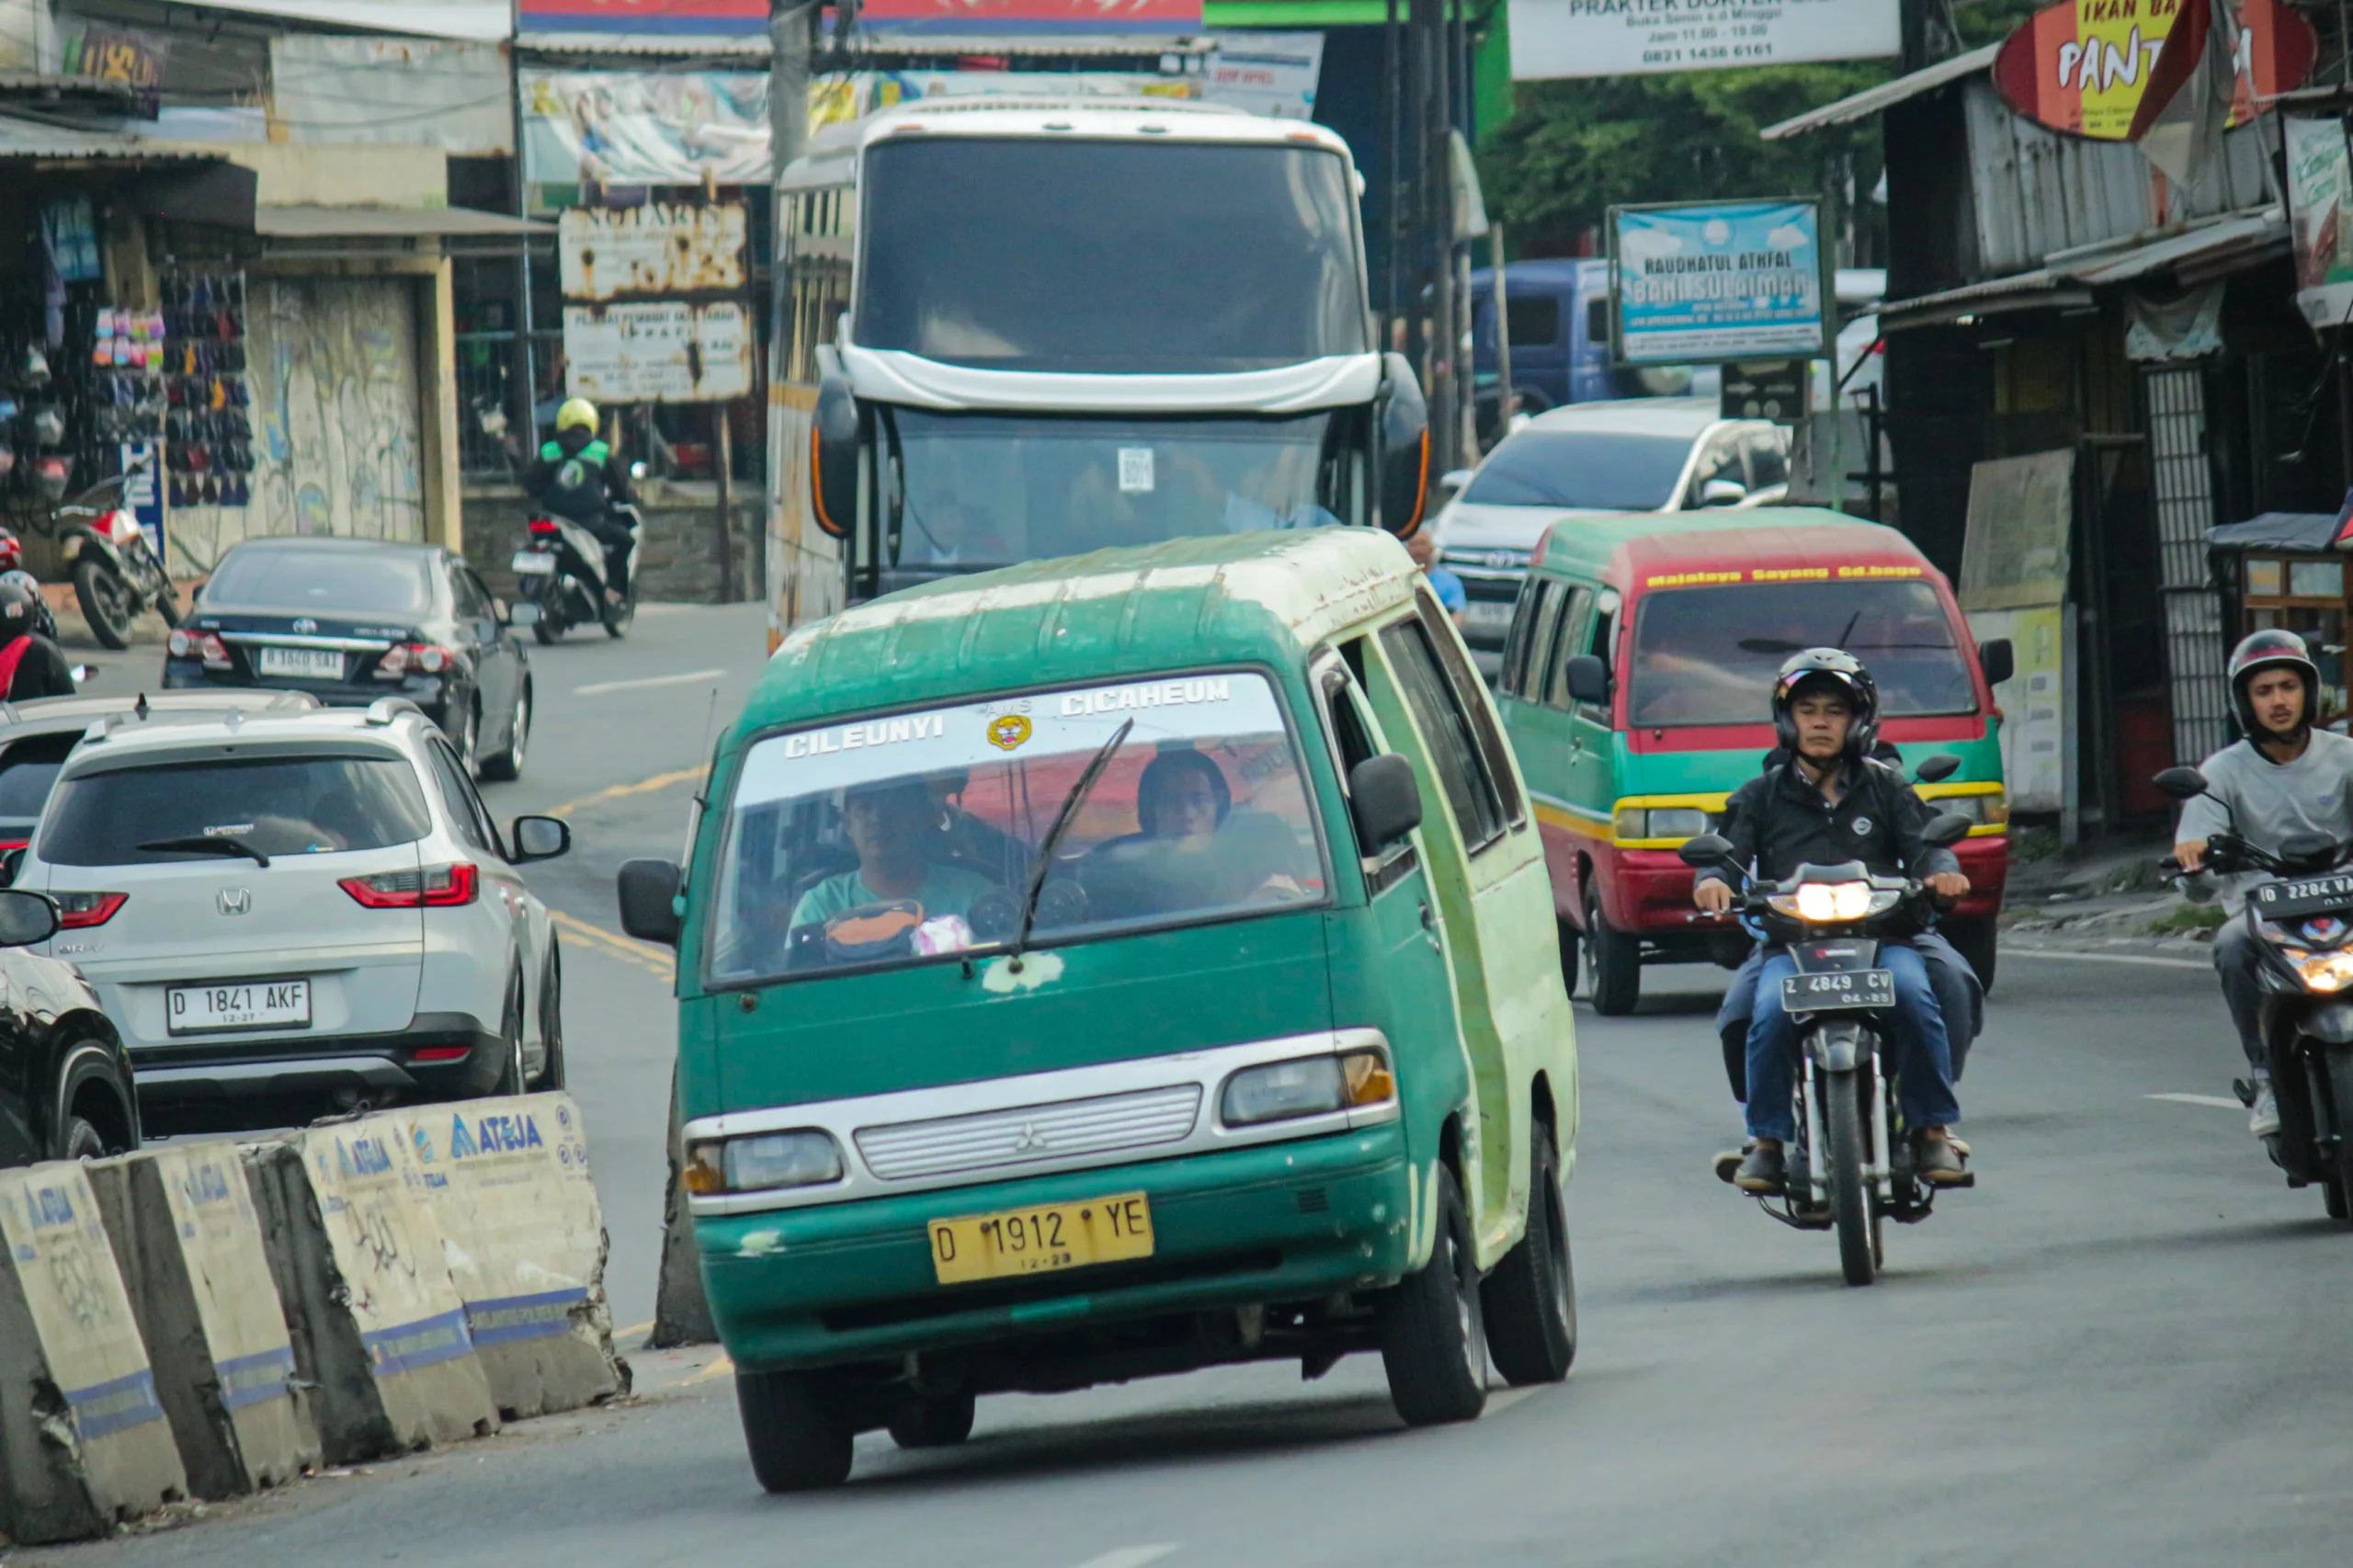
(508,1181)
(83,1440)
(376,1320)
(187,1238)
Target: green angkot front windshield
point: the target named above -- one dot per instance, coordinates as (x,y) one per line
(916,836)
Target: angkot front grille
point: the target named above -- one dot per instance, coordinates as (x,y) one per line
(1030,1134)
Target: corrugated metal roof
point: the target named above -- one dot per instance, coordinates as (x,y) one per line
(34,139)
(2066,278)
(1887,94)
(22,85)
(382,223)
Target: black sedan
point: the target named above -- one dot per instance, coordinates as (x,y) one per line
(353,620)
(65,1082)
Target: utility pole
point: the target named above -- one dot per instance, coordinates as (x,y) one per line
(1433,120)
(793,25)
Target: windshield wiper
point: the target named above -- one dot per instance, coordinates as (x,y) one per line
(1053,841)
(209,844)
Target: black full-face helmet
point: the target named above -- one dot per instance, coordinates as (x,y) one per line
(1832,669)
(2271,650)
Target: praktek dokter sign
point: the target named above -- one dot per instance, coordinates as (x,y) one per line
(1716,281)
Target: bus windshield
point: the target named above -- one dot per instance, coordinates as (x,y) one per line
(1709,656)
(1139,258)
(971,491)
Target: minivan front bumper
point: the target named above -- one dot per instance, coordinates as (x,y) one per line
(1285,1221)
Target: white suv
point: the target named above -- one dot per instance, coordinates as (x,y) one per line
(293,913)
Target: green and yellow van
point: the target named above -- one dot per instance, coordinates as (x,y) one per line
(1636,685)
(1116,966)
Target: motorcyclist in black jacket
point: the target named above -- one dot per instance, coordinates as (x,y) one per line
(578,477)
(1835,805)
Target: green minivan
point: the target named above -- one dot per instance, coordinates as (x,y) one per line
(1117,966)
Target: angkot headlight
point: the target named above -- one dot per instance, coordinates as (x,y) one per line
(1988,809)
(763,1161)
(1821,904)
(1308,1085)
(1661,822)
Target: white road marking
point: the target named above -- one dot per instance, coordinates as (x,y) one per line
(602,686)
(2106,958)
(1504,1399)
(1131,1556)
(2220,1102)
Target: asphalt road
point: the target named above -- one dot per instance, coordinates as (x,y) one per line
(2130,1344)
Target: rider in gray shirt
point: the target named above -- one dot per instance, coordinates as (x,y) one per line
(2288,777)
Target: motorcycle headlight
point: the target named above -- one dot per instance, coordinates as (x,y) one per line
(2326,971)
(764,1160)
(1820,903)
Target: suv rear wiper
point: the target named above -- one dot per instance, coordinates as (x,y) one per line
(209,844)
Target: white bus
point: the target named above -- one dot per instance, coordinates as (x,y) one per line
(1021,328)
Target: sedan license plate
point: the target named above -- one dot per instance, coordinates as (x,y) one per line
(1843,991)
(304,664)
(238,1005)
(1487,614)
(531,564)
(1035,1241)
(2306,895)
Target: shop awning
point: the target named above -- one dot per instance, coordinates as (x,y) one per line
(1886,95)
(2066,278)
(2311,532)
(391,222)
(38,139)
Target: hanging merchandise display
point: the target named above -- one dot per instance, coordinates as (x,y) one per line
(207,425)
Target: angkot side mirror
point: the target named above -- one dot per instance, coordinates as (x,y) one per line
(649,893)
(1997,659)
(1384,799)
(1588,679)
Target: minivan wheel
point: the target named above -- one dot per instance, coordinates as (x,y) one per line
(797,1440)
(1433,1339)
(1572,943)
(80,1139)
(1615,960)
(1532,1298)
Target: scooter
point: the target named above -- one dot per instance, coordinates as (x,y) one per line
(1848,1168)
(560,573)
(114,569)
(2303,924)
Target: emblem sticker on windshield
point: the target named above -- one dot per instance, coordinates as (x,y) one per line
(1008,731)
(1135,471)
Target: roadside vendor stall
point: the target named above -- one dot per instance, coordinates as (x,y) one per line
(2287,570)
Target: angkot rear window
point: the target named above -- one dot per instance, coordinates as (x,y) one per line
(319,804)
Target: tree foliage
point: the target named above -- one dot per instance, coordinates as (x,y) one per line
(1574,149)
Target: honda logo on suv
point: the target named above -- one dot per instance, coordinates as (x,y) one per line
(236,901)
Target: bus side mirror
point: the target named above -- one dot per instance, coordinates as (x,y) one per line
(1405,447)
(1997,660)
(833,456)
(1384,799)
(1588,679)
(649,891)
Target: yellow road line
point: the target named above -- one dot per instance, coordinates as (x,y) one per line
(644,954)
(620,791)
(718,1369)
(634,1330)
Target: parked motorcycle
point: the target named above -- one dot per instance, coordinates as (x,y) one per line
(114,568)
(560,573)
(2302,924)
(1849,1167)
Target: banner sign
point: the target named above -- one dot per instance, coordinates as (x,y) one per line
(959,18)
(1267,73)
(2080,66)
(1716,281)
(2320,200)
(134,59)
(660,249)
(1554,38)
(668,352)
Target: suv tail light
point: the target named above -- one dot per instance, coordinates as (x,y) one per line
(428,658)
(545,527)
(203,646)
(79,911)
(435,887)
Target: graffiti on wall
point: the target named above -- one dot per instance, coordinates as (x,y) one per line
(338,448)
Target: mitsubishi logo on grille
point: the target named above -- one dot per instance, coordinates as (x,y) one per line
(1502,560)
(236,901)
(1030,1139)
(305,625)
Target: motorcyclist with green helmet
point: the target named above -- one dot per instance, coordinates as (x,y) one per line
(577,476)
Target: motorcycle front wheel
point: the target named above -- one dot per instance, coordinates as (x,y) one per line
(2338,1181)
(1850,1197)
(106,603)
